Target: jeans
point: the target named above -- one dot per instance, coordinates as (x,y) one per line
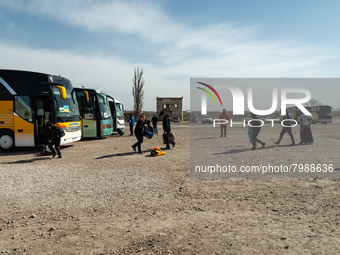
(168,140)
(225,131)
(155,130)
(139,142)
(289,131)
(256,132)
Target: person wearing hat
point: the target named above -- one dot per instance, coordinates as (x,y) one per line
(167,130)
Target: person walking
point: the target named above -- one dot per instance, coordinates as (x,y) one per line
(154,124)
(286,128)
(306,129)
(131,124)
(54,136)
(167,130)
(224,116)
(139,133)
(256,127)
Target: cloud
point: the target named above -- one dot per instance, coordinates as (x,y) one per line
(110,74)
(169,51)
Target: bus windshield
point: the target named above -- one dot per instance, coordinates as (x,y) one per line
(120,111)
(105,110)
(325,111)
(66,109)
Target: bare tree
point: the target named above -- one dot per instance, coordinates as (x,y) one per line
(313,102)
(137,91)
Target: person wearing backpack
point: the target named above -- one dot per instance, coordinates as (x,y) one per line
(139,133)
(57,134)
(54,136)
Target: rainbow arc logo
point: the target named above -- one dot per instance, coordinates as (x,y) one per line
(209,93)
(204,97)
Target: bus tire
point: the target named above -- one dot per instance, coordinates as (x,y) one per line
(7,143)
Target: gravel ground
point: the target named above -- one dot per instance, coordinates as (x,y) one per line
(103,198)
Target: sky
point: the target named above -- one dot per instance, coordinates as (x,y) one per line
(97,43)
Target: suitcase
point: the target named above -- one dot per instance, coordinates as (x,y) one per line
(147,134)
(172,137)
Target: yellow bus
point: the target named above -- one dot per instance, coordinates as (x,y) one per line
(28,102)
(295,112)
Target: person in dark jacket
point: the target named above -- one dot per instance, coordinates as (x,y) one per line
(54,137)
(139,133)
(167,130)
(256,127)
(287,128)
(154,124)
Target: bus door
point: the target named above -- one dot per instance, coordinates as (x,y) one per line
(43,112)
(113,112)
(89,126)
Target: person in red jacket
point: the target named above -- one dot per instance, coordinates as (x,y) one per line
(224,116)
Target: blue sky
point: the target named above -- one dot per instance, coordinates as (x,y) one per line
(99,43)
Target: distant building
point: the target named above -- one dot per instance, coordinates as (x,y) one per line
(173,106)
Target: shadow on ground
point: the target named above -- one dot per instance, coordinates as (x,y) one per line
(29,160)
(242,150)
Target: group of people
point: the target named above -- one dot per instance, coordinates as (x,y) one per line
(141,125)
(54,133)
(255,128)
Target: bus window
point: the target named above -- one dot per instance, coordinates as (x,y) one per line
(66,109)
(89,110)
(23,107)
(104,108)
(325,111)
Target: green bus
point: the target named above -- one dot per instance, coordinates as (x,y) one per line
(95,112)
(117,111)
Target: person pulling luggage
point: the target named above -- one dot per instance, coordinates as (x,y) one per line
(167,130)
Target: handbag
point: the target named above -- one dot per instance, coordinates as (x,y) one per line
(172,137)
(147,133)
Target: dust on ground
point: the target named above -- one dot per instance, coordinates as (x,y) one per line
(103,198)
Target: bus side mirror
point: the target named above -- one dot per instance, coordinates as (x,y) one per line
(104,98)
(62,91)
(87,95)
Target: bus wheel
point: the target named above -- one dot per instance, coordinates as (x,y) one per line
(6,141)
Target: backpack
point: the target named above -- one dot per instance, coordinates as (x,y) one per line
(59,132)
(62,132)
(157,152)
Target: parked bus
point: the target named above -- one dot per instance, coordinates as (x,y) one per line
(28,102)
(295,112)
(95,111)
(322,114)
(117,110)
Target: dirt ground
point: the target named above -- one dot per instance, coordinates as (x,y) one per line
(103,198)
